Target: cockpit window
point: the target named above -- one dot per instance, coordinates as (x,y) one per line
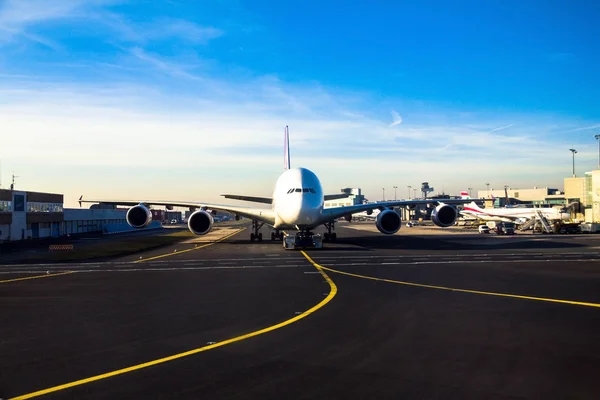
(290,191)
(298,190)
(305,190)
(312,191)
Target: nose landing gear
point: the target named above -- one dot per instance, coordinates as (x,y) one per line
(302,239)
(330,236)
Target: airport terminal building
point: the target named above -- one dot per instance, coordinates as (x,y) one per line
(25,215)
(36,215)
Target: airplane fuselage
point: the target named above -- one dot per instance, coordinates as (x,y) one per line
(298,200)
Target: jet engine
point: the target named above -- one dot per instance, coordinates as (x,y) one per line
(444,215)
(139,216)
(388,222)
(200,222)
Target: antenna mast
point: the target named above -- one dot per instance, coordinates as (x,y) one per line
(12,185)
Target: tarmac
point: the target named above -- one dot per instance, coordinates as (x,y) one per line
(419,314)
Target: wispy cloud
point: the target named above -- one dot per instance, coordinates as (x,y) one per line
(17,16)
(219,132)
(585,128)
(501,128)
(187,31)
(396,119)
(159,63)
(20,18)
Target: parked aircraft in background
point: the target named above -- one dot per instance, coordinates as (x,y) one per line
(518,215)
(297,203)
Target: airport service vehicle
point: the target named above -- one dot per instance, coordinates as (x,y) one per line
(508,228)
(484,229)
(504,228)
(297,204)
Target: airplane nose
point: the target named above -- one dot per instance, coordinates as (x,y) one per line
(302,212)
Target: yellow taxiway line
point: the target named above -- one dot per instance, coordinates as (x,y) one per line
(321,304)
(451,289)
(192,249)
(37,276)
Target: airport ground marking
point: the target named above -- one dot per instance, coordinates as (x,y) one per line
(37,276)
(451,289)
(192,249)
(297,317)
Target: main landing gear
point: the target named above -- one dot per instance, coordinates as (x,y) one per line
(329,236)
(256,225)
(276,235)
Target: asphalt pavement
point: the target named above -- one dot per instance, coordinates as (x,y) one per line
(369,316)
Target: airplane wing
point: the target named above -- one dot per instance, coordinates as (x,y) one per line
(338,212)
(266,215)
(266,200)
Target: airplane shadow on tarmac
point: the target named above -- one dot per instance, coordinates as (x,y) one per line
(455,244)
(435,243)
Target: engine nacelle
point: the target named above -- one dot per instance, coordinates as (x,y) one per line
(139,216)
(388,222)
(200,222)
(444,215)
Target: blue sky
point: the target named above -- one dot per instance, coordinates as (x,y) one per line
(187,100)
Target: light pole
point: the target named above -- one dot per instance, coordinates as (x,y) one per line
(574,152)
(415,193)
(598,140)
(470,191)
(395,187)
(488,189)
(383,194)
(409,191)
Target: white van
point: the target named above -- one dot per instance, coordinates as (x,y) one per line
(484,229)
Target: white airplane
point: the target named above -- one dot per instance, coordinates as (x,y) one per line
(297,203)
(370,214)
(518,215)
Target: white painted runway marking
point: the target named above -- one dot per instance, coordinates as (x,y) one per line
(199,268)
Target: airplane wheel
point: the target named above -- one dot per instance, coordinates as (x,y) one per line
(326,236)
(252,237)
(260,237)
(272,236)
(333,237)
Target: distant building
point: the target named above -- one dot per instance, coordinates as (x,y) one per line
(25,214)
(355,197)
(585,192)
(532,196)
(35,215)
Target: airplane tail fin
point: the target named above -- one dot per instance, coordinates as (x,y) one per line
(286,149)
(464,195)
(472,206)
